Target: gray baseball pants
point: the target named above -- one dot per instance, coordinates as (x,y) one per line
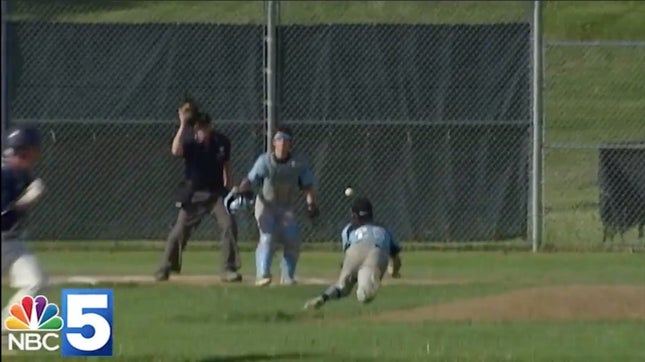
(189,218)
(364,266)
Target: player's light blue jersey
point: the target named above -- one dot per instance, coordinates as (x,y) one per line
(281,181)
(371,233)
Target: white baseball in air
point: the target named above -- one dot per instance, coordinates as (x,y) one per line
(349,192)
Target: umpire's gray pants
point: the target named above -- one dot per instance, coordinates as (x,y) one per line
(187,221)
(364,266)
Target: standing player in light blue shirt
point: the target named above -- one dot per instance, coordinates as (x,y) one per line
(368,249)
(280,176)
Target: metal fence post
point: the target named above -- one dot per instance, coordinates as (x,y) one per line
(270,71)
(5,96)
(537,127)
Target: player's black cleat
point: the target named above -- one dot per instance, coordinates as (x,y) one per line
(231,276)
(162,274)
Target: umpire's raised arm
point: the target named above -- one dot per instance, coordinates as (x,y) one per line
(185,113)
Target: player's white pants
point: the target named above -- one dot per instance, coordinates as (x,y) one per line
(277,224)
(364,266)
(25,274)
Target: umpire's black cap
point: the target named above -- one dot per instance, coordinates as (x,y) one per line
(21,138)
(362,207)
(203,119)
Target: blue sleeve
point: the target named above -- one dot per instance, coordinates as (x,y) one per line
(395,246)
(259,170)
(344,237)
(306,178)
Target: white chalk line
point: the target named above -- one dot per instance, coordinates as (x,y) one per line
(215,280)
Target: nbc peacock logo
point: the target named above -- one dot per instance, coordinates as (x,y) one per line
(28,320)
(34,314)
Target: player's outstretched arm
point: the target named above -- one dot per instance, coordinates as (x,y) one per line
(257,174)
(31,196)
(307,182)
(312,202)
(394,267)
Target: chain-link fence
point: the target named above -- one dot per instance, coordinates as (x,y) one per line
(594,141)
(423,106)
(103,80)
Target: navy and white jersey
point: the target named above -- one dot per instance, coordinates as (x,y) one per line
(281,181)
(14,183)
(370,233)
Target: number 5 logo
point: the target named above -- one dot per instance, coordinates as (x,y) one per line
(88,318)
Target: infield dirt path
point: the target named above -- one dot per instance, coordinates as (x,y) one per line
(577,302)
(206,280)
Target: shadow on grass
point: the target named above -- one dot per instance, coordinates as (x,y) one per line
(238,317)
(262,357)
(279,357)
(272,317)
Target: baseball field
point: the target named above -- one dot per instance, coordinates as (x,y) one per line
(449,305)
(592,95)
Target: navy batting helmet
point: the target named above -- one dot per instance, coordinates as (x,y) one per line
(20,138)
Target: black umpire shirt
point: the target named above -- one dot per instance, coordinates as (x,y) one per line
(204,162)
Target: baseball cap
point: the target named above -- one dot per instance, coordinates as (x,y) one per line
(283,133)
(20,138)
(203,119)
(362,207)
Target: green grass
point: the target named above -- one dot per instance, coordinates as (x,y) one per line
(171,322)
(592,95)
(563,19)
(478,266)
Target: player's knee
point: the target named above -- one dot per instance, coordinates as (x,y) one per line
(34,282)
(225,223)
(178,231)
(291,233)
(364,294)
(367,285)
(265,240)
(292,246)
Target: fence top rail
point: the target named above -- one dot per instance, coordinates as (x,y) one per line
(600,43)
(329,122)
(638,145)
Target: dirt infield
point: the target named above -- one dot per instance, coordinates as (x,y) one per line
(576,302)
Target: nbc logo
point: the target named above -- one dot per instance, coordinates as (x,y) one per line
(33,315)
(84,327)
